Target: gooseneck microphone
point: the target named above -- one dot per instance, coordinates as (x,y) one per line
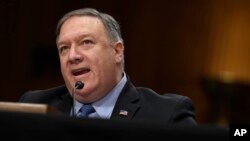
(78,85)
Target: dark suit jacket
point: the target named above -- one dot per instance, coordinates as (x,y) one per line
(142,104)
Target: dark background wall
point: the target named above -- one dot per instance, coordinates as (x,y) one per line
(197,48)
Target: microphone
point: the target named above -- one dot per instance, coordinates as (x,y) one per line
(78,85)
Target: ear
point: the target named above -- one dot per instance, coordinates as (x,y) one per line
(119,51)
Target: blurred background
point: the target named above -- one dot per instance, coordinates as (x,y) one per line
(196,48)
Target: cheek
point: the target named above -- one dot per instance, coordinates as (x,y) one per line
(105,62)
(63,65)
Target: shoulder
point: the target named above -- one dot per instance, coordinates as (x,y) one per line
(150,97)
(174,107)
(169,97)
(41,96)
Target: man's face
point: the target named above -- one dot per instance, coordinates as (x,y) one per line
(87,55)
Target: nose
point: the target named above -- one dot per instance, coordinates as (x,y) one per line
(75,55)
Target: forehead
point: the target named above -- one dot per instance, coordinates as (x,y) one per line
(82,21)
(81,25)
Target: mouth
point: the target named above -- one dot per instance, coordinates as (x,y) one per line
(81,71)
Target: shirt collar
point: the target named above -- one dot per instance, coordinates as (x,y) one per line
(104,107)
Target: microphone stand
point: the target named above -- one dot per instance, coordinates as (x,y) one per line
(78,85)
(74,103)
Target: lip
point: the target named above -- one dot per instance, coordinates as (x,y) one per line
(80,72)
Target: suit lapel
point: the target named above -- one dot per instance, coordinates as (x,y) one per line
(127,103)
(125,108)
(66,103)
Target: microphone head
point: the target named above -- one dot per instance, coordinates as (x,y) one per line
(79,85)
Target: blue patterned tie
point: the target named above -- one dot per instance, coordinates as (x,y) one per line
(85,110)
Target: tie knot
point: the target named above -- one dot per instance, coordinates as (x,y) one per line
(85,110)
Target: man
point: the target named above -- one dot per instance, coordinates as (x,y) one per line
(91,51)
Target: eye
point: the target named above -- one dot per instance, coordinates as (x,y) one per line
(63,49)
(87,42)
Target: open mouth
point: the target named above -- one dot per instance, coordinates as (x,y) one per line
(80,71)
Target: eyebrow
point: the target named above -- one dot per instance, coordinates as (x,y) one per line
(77,38)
